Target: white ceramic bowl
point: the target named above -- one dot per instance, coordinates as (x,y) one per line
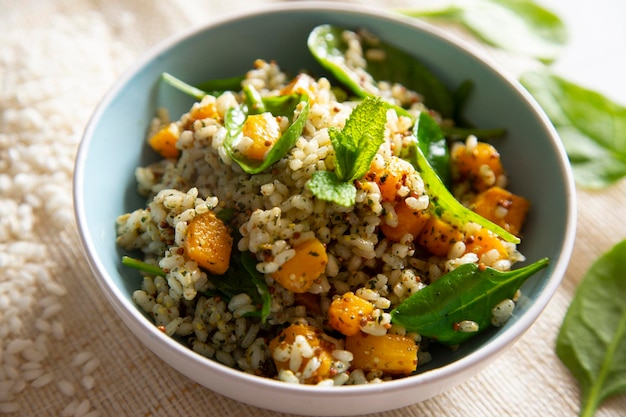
(113,145)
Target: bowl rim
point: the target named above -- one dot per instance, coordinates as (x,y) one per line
(124,306)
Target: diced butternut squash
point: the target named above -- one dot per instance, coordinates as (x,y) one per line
(389,177)
(438,236)
(301,271)
(263,131)
(209,243)
(164,141)
(298,344)
(480,165)
(392,354)
(482,242)
(503,208)
(409,221)
(204,111)
(348,312)
(302,84)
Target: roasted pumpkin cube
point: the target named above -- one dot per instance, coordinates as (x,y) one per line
(392,354)
(300,272)
(503,208)
(347,312)
(208,242)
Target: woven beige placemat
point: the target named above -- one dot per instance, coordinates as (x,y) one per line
(63,350)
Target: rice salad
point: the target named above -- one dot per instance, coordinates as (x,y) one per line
(247,262)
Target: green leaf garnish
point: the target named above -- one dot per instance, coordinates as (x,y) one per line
(326,186)
(236,117)
(465,293)
(592,127)
(355,146)
(329,48)
(520,26)
(433,144)
(242,277)
(592,338)
(445,205)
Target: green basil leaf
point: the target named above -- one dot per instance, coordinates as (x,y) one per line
(326,186)
(327,45)
(592,338)
(465,293)
(446,206)
(357,143)
(592,127)
(520,26)
(432,142)
(219,85)
(236,117)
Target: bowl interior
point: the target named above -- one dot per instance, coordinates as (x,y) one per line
(114,143)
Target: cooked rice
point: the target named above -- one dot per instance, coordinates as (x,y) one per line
(274,213)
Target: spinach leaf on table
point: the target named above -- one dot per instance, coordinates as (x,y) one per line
(592,338)
(592,127)
(521,26)
(468,292)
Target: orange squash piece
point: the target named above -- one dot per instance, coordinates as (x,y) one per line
(199,112)
(263,129)
(389,178)
(301,271)
(469,165)
(495,201)
(164,141)
(347,312)
(438,236)
(393,354)
(409,221)
(322,350)
(301,84)
(209,243)
(482,242)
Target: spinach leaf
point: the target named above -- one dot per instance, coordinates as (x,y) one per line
(446,206)
(389,63)
(521,26)
(242,277)
(592,127)
(468,292)
(236,117)
(433,144)
(219,85)
(355,146)
(214,87)
(592,338)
